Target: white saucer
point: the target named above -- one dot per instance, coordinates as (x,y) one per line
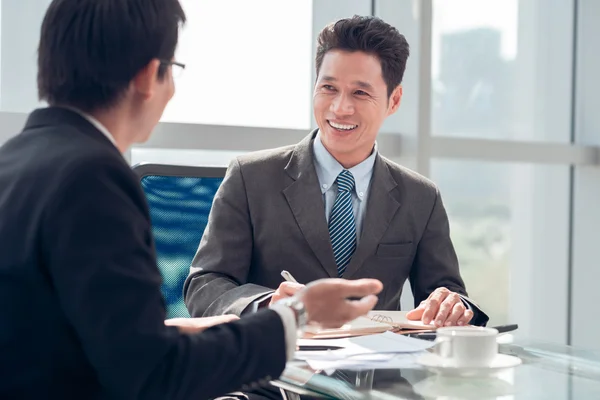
(440,365)
(474,388)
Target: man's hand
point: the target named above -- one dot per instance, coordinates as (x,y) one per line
(442,308)
(286,289)
(327,300)
(195,325)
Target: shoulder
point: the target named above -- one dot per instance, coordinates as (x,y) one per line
(262,163)
(95,165)
(410,179)
(265,158)
(94,175)
(67,152)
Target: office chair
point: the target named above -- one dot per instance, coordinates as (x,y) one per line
(180,199)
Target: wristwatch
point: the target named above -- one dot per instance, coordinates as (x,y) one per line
(299,310)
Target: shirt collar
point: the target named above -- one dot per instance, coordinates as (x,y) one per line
(97,124)
(328,168)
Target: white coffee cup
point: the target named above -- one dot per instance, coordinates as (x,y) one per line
(465,346)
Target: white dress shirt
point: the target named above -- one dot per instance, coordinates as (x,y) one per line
(328,169)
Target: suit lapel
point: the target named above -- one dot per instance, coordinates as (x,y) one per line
(306,202)
(381,208)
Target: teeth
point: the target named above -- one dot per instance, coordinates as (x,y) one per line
(343,127)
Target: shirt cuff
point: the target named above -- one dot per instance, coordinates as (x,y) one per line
(288,317)
(466,303)
(479,317)
(261,301)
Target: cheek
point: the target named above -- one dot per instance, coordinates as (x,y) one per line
(375,113)
(319,104)
(372,117)
(322,102)
(171,90)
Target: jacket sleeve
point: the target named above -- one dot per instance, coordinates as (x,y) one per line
(436,263)
(96,238)
(217,283)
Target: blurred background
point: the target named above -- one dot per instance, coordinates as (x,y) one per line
(500,109)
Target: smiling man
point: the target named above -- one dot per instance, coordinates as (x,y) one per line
(332,206)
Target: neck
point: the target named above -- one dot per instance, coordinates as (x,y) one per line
(349,160)
(118,125)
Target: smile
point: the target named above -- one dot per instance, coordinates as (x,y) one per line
(341,127)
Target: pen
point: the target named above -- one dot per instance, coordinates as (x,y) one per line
(432,335)
(318,348)
(288,277)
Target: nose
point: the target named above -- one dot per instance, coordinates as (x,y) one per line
(342,105)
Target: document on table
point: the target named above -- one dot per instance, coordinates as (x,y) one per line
(373,322)
(359,351)
(382,343)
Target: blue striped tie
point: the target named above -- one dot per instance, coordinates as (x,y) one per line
(342,229)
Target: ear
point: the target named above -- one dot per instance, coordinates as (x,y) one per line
(146,80)
(395,100)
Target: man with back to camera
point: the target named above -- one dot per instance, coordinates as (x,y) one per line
(82,315)
(331,206)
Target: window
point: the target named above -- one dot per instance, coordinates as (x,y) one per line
(20,32)
(509,226)
(248,63)
(501,69)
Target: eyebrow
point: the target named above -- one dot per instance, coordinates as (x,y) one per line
(362,84)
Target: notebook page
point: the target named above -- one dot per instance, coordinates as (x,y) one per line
(397,319)
(359,326)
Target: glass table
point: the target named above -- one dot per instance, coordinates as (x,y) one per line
(547,371)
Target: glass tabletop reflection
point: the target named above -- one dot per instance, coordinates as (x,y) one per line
(548,371)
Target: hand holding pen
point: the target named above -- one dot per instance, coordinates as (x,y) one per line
(286,289)
(325,301)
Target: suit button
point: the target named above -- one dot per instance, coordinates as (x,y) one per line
(245,388)
(255,385)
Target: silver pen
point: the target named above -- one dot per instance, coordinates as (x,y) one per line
(288,277)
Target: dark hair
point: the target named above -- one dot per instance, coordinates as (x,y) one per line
(370,35)
(90,50)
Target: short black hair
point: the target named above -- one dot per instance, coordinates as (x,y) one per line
(90,50)
(370,35)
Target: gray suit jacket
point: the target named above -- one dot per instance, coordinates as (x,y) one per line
(268,216)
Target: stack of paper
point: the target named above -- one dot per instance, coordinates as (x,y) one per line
(371,351)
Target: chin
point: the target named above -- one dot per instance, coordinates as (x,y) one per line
(339,146)
(339,138)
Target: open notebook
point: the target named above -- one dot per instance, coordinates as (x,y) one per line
(374,322)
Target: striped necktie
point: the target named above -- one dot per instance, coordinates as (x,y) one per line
(342,229)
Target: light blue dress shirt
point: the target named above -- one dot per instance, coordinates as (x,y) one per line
(328,168)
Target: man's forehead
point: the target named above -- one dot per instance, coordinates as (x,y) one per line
(357,68)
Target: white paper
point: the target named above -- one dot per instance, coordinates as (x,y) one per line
(369,347)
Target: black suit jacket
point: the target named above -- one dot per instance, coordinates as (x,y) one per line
(81,312)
